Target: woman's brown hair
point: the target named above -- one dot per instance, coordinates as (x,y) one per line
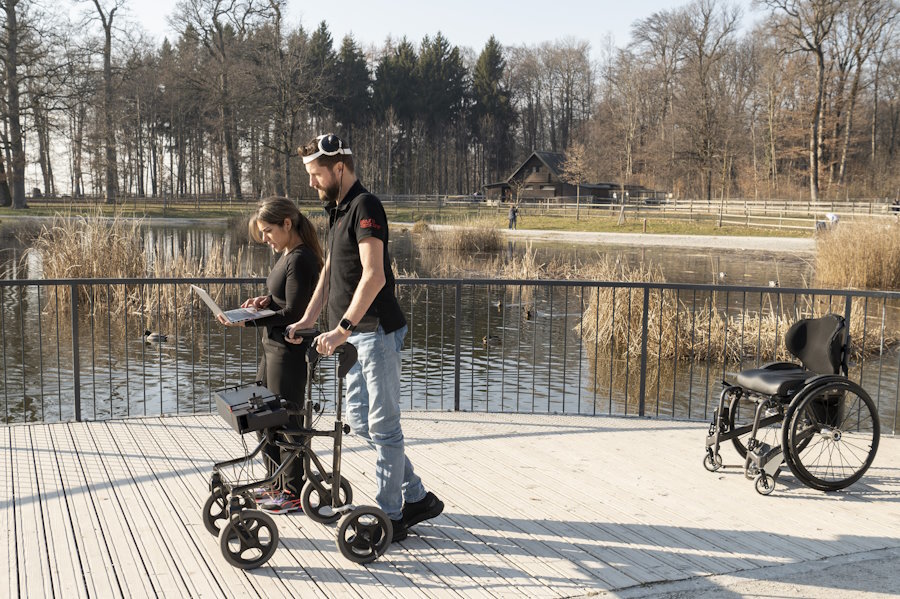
(274,210)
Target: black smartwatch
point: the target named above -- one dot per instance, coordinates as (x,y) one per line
(347,325)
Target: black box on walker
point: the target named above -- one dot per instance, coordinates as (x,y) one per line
(250,408)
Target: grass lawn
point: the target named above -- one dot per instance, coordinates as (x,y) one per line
(449,215)
(591,224)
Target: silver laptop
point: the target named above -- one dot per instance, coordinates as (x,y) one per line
(236,315)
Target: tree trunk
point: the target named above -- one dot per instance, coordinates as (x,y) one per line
(815,134)
(108,117)
(5,197)
(17,173)
(230,143)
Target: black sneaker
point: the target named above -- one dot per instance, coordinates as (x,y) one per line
(425,509)
(400,530)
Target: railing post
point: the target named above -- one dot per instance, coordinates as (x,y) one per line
(845,362)
(457,349)
(644,318)
(76,362)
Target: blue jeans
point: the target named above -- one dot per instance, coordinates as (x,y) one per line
(373,412)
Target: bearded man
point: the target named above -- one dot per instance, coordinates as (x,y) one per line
(358,285)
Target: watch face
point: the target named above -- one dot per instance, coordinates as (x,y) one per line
(346,324)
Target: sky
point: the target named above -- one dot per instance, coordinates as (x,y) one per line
(463,22)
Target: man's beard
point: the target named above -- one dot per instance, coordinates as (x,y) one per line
(330,193)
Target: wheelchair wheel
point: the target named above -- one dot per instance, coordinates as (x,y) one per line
(215,510)
(741,412)
(249,540)
(364,534)
(318,506)
(830,435)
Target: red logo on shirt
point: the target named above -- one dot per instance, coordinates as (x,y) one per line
(369,223)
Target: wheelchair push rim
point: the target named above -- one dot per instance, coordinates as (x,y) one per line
(830,435)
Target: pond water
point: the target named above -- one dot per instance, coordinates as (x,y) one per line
(486,346)
(678,265)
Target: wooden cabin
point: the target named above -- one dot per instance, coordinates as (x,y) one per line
(540,178)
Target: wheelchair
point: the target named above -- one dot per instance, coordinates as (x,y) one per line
(248,537)
(808,416)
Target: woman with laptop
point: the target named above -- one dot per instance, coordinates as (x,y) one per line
(291,282)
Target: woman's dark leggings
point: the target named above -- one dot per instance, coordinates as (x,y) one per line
(282,370)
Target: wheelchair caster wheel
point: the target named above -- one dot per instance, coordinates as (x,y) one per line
(712,463)
(215,510)
(364,534)
(765,484)
(318,506)
(249,539)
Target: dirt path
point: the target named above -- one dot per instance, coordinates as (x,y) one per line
(725,242)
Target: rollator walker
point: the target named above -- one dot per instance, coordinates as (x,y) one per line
(248,537)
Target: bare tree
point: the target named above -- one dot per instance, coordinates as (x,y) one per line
(708,27)
(106,14)
(868,20)
(220,24)
(806,24)
(575,171)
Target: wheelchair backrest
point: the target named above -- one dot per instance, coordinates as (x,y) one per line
(818,343)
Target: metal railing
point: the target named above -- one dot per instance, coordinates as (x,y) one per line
(74,349)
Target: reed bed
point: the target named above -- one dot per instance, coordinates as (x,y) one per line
(474,236)
(861,255)
(94,246)
(612,320)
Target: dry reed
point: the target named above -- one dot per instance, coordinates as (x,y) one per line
(861,255)
(91,247)
(473,237)
(612,319)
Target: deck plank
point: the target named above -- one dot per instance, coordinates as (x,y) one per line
(536,506)
(125,547)
(32,556)
(8,549)
(100,576)
(62,546)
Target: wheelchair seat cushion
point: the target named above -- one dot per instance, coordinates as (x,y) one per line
(782,383)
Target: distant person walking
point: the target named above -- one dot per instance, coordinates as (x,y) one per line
(513,215)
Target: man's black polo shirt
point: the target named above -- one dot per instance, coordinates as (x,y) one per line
(358,216)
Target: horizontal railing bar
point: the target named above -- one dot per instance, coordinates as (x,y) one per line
(478,283)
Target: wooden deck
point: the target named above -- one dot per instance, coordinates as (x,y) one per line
(536,506)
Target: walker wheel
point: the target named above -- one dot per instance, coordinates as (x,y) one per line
(215,510)
(249,539)
(364,534)
(765,484)
(318,506)
(712,464)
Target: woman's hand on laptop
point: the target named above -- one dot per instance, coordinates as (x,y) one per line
(221,318)
(257,302)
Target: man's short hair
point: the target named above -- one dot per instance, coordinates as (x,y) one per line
(317,149)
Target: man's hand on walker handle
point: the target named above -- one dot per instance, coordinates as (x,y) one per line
(294,332)
(326,343)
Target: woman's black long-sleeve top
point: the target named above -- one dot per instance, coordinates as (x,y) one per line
(291,284)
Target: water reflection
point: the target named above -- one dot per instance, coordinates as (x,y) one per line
(513,348)
(679,265)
